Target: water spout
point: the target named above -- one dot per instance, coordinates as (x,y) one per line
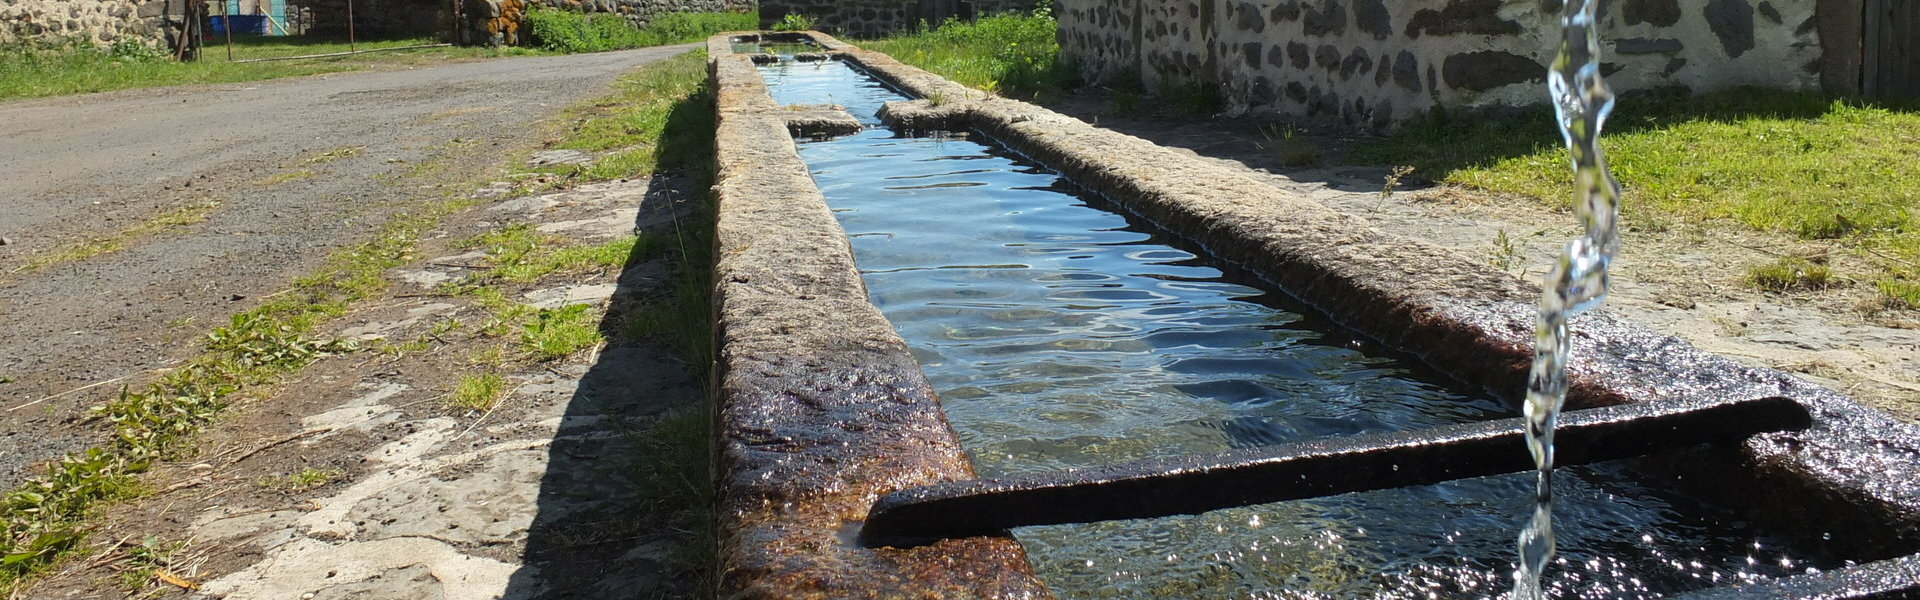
(1578,280)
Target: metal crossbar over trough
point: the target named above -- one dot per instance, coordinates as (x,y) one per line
(1196,484)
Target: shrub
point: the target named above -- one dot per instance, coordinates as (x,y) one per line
(794,22)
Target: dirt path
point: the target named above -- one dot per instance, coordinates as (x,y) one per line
(217,195)
(1681,279)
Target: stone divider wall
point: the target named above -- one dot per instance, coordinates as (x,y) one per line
(100,22)
(820,406)
(1380,62)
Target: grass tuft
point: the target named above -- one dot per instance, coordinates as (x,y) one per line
(477,392)
(557,333)
(1791,274)
(117,241)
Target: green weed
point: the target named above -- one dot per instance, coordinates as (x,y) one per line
(477,392)
(794,22)
(556,333)
(1008,53)
(303,479)
(1899,293)
(117,241)
(1791,273)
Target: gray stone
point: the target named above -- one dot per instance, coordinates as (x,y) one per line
(1285,11)
(1247,17)
(1462,16)
(1663,13)
(1380,75)
(1300,54)
(1406,71)
(1371,16)
(1732,22)
(1277,56)
(1772,14)
(1647,46)
(1296,92)
(1358,61)
(1488,69)
(1329,18)
(1251,51)
(1674,66)
(1328,57)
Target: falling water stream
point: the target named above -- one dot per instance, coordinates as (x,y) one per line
(1061,332)
(1578,280)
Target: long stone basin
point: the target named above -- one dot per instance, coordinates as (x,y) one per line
(821,409)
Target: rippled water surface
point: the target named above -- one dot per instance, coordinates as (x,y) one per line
(1060,333)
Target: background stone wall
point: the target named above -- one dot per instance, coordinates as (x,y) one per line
(101,22)
(875,18)
(1379,62)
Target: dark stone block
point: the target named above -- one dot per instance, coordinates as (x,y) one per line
(1381,74)
(1808,25)
(1300,54)
(1329,18)
(1371,16)
(1328,57)
(1489,69)
(1732,22)
(1251,52)
(1358,61)
(1663,13)
(1383,115)
(1462,16)
(1406,71)
(1772,14)
(1673,66)
(1286,11)
(1247,17)
(1647,46)
(1607,69)
(1296,92)
(1277,56)
(1193,10)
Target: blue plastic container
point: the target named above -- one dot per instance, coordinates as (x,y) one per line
(242,24)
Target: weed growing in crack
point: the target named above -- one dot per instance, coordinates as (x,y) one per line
(556,333)
(477,392)
(303,479)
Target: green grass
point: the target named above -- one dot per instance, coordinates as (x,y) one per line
(659,118)
(303,479)
(1791,273)
(477,392)
(519,254)
(1768,160)
(1009,53)
(34,71)
(567,31)
(118,240)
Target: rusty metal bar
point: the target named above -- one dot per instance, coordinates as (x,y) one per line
(1192,485)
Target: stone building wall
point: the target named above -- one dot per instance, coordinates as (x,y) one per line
(1379,62)
(100,22)
(875,18)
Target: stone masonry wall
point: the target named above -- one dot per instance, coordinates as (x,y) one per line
(875,18)
(100,22)
(1379,62)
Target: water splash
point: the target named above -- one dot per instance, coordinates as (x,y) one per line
(1578,280)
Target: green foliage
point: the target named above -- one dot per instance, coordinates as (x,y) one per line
(1009,53)
(794,22)
(1900,293)
(568,31)
(37,69)
(1791,273)
(1795,163)
(556,333)
(477,392)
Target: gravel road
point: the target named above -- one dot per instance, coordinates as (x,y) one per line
(294,169)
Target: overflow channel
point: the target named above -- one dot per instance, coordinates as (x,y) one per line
(1062,332)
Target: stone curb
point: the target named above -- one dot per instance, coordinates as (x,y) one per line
(821,407)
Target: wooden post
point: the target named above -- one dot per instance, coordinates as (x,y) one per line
(350,41)
(226,20)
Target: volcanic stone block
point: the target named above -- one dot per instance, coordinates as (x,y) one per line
(1732,22)
(1328,18)
(1490,69)
(1371,16)
(1647,46)
(1462,16)
(1663,13)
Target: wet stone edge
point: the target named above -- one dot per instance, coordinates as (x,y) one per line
(820,407)
(1849,478)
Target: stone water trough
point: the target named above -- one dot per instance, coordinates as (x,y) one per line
(822,412)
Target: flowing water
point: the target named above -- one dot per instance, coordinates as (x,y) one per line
(1578,280)
(1060,333)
